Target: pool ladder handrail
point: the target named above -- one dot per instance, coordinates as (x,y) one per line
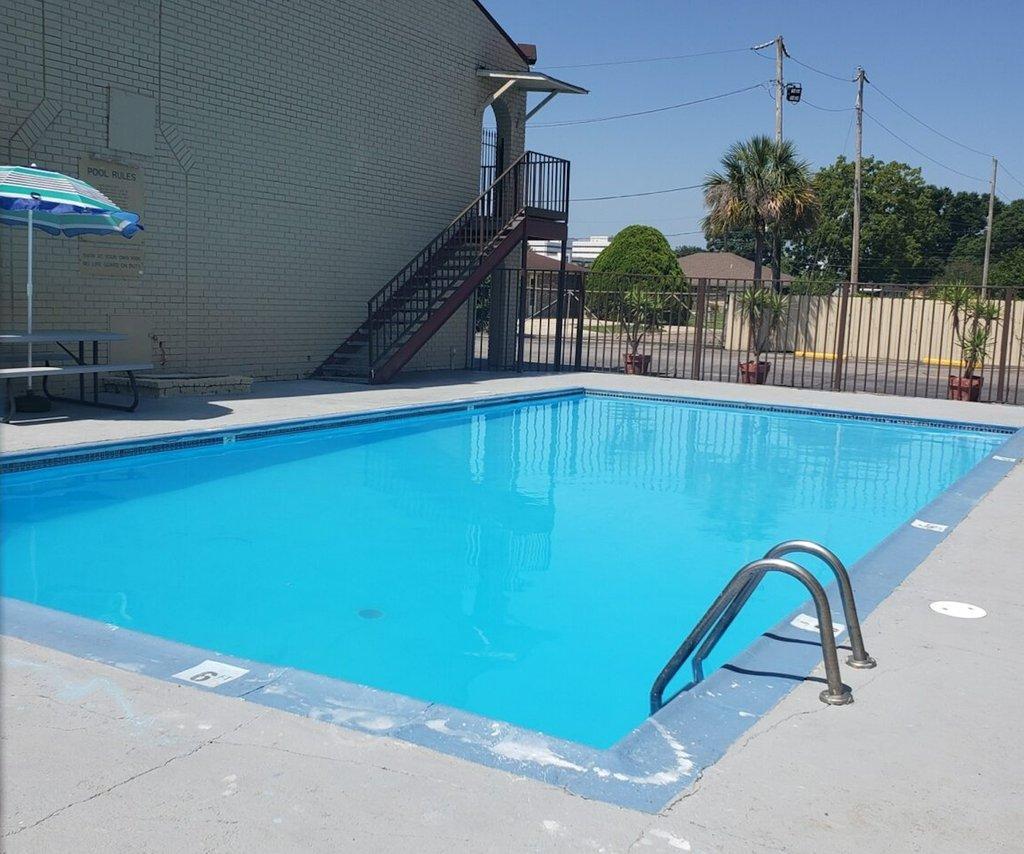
(738,591)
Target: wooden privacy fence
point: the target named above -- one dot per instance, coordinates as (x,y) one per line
(879,338)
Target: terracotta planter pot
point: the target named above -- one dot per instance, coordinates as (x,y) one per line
(964,388)
(636,363)
(754,373)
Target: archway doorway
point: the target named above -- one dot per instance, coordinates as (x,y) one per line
(492,148)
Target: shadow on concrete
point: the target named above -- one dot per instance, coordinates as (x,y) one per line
(793,677)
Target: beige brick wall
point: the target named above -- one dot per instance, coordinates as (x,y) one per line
(303,154)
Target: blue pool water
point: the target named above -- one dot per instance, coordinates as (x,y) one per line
(535,563)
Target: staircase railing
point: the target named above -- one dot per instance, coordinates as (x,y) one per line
(535,184)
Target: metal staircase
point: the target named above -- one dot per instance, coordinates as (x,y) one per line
(528,201)
(731,600)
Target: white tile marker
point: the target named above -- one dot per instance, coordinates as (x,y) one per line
(810,624)
(929,526)
(211,674)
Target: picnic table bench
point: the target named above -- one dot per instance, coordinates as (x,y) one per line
(79,366)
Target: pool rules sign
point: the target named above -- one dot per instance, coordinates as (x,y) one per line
(112,255)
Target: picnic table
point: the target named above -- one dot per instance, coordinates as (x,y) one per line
(74,343)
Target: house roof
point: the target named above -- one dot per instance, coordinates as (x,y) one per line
(536,261)
(528,58)
(720,265)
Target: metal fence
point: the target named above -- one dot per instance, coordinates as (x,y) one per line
(880,338)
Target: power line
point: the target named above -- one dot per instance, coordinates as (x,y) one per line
(635,195)
(804,100)
(649,112)
(918,150)
(677,219)
(804,64)
(823,73)
(937,132)
(1009,174)
(925,124)
(682,233)
(648,59)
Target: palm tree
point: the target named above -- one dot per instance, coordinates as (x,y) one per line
(762,186)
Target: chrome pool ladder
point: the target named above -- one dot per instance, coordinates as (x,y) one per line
(738,591)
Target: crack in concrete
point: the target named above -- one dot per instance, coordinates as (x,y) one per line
(692,790)
(772,727)
(130,779)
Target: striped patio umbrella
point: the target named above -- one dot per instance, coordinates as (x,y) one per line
(59,205)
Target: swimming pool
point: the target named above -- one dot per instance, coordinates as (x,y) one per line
(533,562)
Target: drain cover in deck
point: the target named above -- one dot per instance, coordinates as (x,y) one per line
(958,609)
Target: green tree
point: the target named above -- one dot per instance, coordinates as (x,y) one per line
(762,186)
(686,249)
(901,233)
(739,241)
(637,250)
(638,256)
(961,215)
(1007,234)
(1009,269)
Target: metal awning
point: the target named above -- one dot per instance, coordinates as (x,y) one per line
(529,81)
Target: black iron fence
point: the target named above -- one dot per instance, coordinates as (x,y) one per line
(914,340)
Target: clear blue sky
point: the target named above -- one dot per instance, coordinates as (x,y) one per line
(957,65)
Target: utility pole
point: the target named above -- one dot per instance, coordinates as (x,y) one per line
(988,228)
(855,255)
(780,52)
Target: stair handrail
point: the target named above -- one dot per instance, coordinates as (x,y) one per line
(859,657)
(488,213)
(836,694)
(449,229)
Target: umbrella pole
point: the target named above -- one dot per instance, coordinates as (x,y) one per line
(30,402)
(28,291)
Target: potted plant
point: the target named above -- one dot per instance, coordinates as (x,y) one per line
(638,315)
(972,318)
(762,308)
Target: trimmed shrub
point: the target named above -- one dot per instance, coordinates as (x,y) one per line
(638,250)
(638,257)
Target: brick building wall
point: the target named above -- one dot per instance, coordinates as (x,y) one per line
(301,154)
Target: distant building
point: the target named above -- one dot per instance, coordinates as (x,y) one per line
(722,265)
(586,249)
(582,250)
(547,249)
(545,263)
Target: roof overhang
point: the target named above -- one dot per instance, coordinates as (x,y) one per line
(529,81)
(533,81)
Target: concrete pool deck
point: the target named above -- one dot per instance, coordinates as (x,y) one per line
(926,758)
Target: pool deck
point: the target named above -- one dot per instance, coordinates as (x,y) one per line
(928,758)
